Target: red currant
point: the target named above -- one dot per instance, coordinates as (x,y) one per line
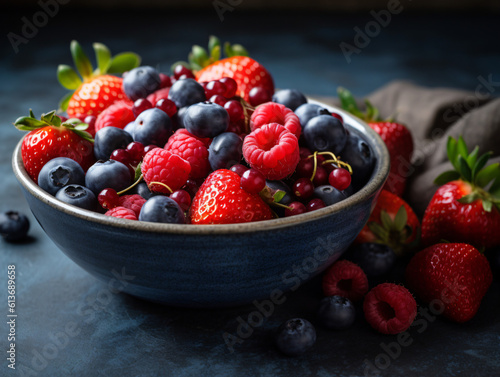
(148,148)
(183,77)
(239,169)
(191,187)
(180,70)
(121,155)
(140,105)
(340,179)
(304,152)
(218,99)
(215,87)
(321,176)
(303,188)
(253,181)
(259,95)
(305,168)
(231,86)
(338,116)
(235,110)
(167,106)
(135,151)
(108,198)
(182,198)
(315,204)
(165,81)
(296,208)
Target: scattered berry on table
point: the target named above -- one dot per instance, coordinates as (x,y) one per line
(271,112)
(108,174)
(345,279)
(122,213)
(291,98)
(295,337)
(225,151)
(14,226)
(118,115)
(206,119)
(390,308)
(163,171)
(152,126)
(79,196)
(162,209)
(336,313)
(140,82)
(59,172)
(109,139)
(375,259)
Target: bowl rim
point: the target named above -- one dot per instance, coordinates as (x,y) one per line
(376,182)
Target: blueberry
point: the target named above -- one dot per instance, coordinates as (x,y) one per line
(140,82)
(336,312)
(178,118)
(282,186)
(375,259)
(152,126)
(206,119)
(59,172)
(295,337)
(325,133)
(108,139)
(225,151)
(308,111)
(108,174)
(186,92)
(162,209)
(130,128)
(142,190)
(291,98)
(359,155)
(14,226)
(79,196)
(329,194)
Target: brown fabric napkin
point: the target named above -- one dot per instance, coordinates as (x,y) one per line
(432,115)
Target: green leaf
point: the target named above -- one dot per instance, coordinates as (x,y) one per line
(487,205)
(28,123)
(467,199)
(480,164)
(82,62)
(63,103)
(228,50)
(215,53)
(47,118)
(452,151)
(447,176)
(487,174)
(495,187)
(68,77)
(138,172)
(278,195)
(372,112)
(84,135)
(239,50)
(213,42)
(199,55)
(103,57)
(401,219)
(462,148)
(472,158)
(385,219)
(379,232)
(348,102)
(124,62)
(464,169)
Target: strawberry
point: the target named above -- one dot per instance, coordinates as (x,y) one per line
(221,200)
(96,89)
(463,210)
(247,72)
(392,222)
(49,138)
(453,276)
(396,137)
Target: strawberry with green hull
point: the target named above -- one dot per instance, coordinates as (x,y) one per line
(456,275)
(247,72)
(467,207)
(95,89)
(396,137)
(49,138)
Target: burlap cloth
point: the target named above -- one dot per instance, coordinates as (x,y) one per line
(434,114)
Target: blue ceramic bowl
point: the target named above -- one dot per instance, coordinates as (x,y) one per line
(208,265)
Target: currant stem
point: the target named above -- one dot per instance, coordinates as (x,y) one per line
(161,184)
(132,186)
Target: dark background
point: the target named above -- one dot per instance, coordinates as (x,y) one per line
(95,333)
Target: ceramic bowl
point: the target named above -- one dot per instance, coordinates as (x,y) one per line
(208,265)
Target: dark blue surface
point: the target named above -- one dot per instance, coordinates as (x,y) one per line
(70,324)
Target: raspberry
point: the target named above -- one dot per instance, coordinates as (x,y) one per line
(117,115)
(122,213)
(273,150)
(390,308)
(205,140)
(192,150)
(272,112)
(345,279)
(158,95)
(133,202)
(163,171)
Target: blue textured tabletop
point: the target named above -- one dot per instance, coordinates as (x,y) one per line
(70,324)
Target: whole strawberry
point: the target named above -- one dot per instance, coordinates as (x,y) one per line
(454,276)
(247,72)
(49,138)
(463,210)
(221,200)
(96,89)
(392,222)
(396,137)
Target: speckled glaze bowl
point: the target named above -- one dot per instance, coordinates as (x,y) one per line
(208,265)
